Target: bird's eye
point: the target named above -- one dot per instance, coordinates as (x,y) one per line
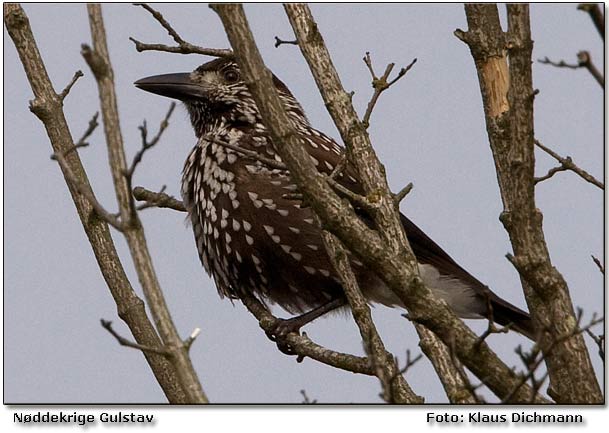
(231,76)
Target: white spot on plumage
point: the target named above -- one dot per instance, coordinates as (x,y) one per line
(310,270)
(249,239)
(247,226)
(268,229)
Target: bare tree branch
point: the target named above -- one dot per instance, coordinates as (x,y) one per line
(395,388)
(597,16)
(67,89)
(506,89)
(381,84)
(600,342)
(146,145)
(99,61)
(82,189)
(158,199)
(303,346)
(384,254)
(584,60)
(182,47)
(559,64)
(599,265)
(535,357)
(448,368)
(401,194)
(47,105)
(279,42)
(566,164)
(390,253)
(107,325)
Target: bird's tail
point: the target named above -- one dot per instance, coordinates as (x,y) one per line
(505,314)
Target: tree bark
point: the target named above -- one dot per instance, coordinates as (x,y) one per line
(508,96)
(47,106)
(339,218)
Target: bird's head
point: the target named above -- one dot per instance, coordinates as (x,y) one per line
(215,94)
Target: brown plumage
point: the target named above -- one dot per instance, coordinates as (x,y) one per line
(253,238)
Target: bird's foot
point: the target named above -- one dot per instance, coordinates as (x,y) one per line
(280,331)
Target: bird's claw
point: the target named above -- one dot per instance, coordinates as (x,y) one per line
(279,332)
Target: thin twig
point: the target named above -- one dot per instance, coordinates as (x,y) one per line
(182,47)
(381,84)
(395,389)
(305,398)
(134,233)
(551,172)
(93,124)
(491,327)
(535,357)
(279,42)
(191,338)
(146,145)
(107,325)
(157,199)
(568,164)
(82,141)
(599,265)
(87,193)
(410,361)
(67,89)
(600,342)
(559,64)
(585,61)
(401,194)
(302,344)
(354,198)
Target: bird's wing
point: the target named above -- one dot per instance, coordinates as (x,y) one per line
(329,154)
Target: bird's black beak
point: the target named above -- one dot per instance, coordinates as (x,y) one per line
(176,86)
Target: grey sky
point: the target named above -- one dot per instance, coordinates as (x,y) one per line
(429,129)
